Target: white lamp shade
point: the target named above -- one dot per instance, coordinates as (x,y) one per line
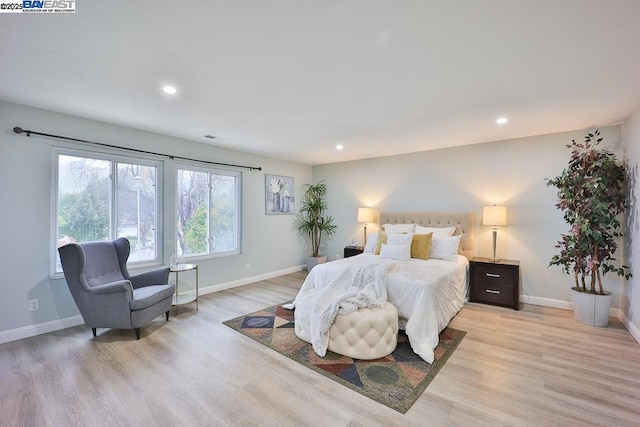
(494,215)
(365,215)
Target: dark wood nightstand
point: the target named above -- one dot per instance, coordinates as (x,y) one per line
(351,251)
(495,282)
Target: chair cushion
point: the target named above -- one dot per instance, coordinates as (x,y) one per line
(148,295)
(368,333)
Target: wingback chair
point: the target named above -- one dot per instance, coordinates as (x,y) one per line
(106,295)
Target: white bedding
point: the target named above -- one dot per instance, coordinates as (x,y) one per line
(427,293)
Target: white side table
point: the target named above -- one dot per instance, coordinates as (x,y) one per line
(189,295)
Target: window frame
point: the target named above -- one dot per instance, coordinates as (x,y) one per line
(114,158)
(238,175)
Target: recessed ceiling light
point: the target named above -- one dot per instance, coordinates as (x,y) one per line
(339,147)
(501,120)
(170,90)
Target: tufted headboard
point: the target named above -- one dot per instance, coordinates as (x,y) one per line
(464,222)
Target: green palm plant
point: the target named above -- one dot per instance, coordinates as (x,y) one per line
(592,196)
(311,219)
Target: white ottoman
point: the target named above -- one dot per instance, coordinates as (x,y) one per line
(368,333)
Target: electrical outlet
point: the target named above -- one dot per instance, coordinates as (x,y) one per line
(34,304)
(247,266)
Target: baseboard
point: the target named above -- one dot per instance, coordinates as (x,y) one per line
(56,325)
(247,280)
(561,304)
(633,329)
(548,302)
(40,328)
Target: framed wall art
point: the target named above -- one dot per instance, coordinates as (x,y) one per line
(279,192)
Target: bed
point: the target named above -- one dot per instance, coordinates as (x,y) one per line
(427,293)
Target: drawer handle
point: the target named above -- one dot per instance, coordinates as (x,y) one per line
(493,275)
(491,291)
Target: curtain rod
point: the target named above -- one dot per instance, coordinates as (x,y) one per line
(19,130)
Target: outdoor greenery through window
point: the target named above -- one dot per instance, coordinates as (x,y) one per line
(102,198)
(208,212)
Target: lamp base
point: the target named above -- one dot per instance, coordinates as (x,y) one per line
(495,237)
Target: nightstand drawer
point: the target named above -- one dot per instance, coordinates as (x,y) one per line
(491,275)
(493,293)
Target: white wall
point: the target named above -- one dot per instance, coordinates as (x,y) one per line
(510,172)
(630,304)
(25,192)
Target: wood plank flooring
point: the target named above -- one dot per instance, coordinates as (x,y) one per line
(534,367)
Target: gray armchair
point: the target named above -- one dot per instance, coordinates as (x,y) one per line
(106,295)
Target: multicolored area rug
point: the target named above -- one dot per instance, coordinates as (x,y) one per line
(396,381)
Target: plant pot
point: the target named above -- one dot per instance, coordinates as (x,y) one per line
(313,261)
(591,309)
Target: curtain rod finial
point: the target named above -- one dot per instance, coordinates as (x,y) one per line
(18,129)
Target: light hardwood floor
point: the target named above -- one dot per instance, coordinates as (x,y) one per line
(534,367)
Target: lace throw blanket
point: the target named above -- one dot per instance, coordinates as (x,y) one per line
(350,287)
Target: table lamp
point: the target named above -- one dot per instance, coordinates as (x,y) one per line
(494,216)
(365,215)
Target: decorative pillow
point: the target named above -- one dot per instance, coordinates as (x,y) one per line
(399,238)
(392,239)
(437,231)
(399,228)
(372,241)
(445,248)
(421,245)
(382,238)
(399,252)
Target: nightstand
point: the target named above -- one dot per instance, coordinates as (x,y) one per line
(351,251)
(495,282)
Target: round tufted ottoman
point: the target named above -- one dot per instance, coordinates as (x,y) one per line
(368,333)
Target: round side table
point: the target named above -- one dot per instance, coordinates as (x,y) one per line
(186,296)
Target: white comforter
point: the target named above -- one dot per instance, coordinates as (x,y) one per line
(427,294)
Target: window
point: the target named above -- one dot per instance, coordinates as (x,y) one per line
(102,198)
(208,212)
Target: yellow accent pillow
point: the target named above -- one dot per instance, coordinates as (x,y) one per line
(421,245)
(382,238)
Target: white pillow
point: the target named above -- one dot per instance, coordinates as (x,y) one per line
(395,239)
(399,252)
(399,228)
(445,248)
(372,240)
(437,231)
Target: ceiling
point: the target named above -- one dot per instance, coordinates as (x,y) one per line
(291,79)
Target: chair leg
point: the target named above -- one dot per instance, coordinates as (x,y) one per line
(167,315)
(94,331)
(137,333)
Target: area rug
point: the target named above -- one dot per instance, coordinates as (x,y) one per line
(396,381)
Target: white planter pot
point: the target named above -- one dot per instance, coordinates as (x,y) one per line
(313,261)
(591,309)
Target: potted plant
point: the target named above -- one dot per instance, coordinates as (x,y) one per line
(313,222)
(592,196)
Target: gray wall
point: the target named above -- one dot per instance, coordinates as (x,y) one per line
(510,172)
(630,305)
(269,245)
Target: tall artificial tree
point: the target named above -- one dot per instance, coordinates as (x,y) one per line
(312,220)
(592,197)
